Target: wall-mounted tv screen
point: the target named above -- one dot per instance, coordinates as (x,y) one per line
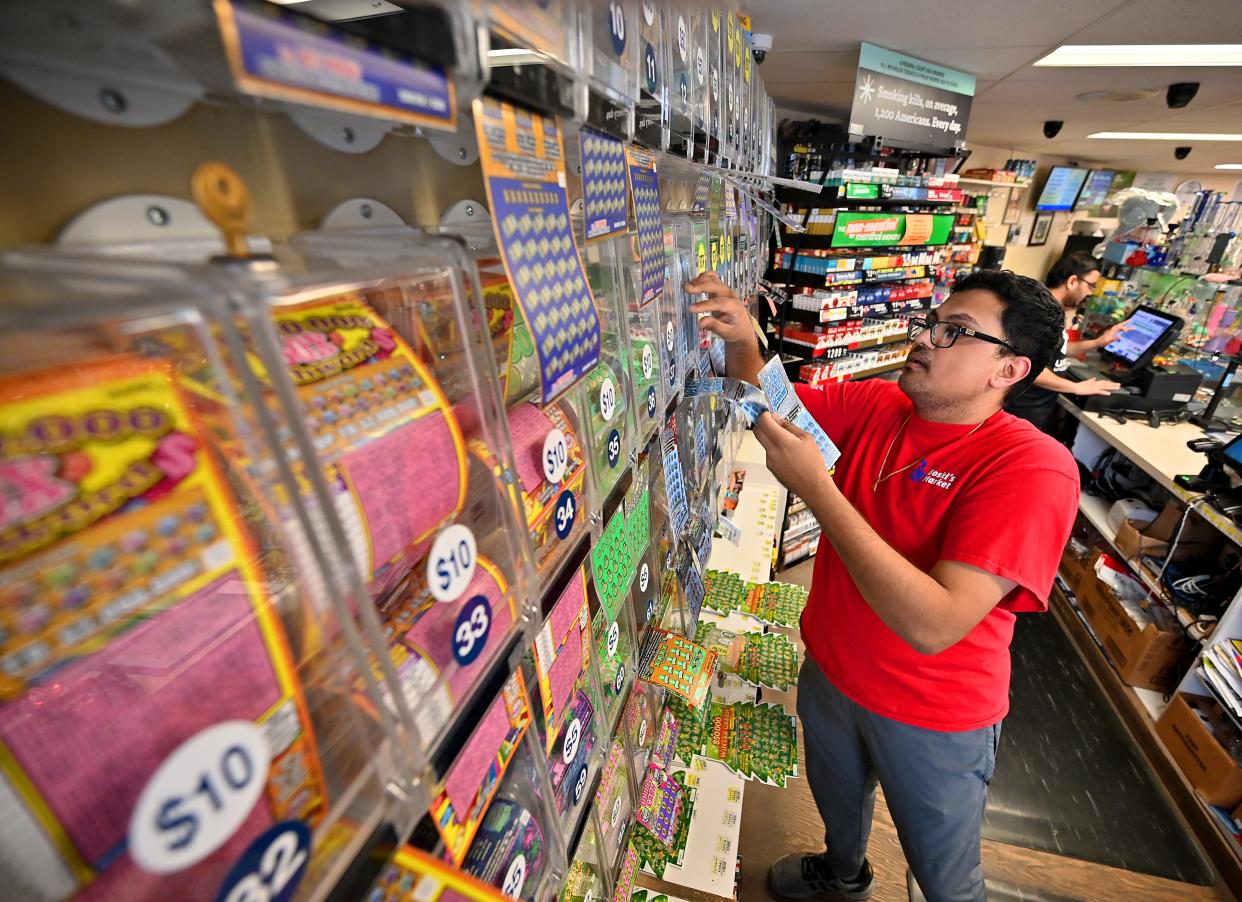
(1095,189)
(1061,189)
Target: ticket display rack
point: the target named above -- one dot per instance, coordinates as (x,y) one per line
(314,522)
(159,608)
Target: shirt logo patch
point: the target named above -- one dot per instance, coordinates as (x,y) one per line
(939,478)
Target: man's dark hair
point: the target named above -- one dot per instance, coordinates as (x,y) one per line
(1033,321)
(1078,264)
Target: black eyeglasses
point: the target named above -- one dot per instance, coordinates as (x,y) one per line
(943,335)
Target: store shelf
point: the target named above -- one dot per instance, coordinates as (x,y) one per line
(985,183)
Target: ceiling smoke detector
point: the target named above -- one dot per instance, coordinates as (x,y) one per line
(1117,96)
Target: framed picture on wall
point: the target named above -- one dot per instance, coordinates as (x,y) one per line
(1013,208)
(1039,231)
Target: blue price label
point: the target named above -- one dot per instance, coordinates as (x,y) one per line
(614,448)
(566,510)
(271,867)
(651,401)
(470,632)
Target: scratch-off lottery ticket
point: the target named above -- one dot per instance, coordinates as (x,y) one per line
(524,168)
(645,189)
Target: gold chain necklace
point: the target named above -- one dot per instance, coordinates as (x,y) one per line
(901,430)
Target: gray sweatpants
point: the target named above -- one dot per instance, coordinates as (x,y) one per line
(935,784)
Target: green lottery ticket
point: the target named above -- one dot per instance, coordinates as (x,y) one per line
(611,564)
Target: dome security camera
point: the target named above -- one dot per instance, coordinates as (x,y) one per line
(1181,93)
(1052,128)
(760,44)
(1181,152)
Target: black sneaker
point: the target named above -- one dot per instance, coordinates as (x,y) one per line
(804,875)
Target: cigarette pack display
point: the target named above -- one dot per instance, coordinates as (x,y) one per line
(156,612)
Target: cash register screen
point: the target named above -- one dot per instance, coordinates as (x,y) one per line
(1149,326)
(1233,453)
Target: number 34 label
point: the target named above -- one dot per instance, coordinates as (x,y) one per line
(199,797)
(271,868)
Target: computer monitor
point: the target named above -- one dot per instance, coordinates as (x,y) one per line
(1061,190)
(1231,454)
(1153,331)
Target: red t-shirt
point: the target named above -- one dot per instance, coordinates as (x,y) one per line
(1002,500)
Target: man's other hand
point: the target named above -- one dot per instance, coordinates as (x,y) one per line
(729,317)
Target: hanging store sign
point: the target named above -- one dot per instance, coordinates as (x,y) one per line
(910,101)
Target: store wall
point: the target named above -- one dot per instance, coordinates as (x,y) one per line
(1036,261)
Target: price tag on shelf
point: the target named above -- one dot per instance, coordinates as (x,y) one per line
(580,783)
(669,337)
(614,449)
(471,630)
(515,878)
(199,797)
(555,456)
(573,737)
(648,361)
(607,399)
(644,577)
(652,402)
(451,563)
(618,681)
(614,638)
(271,868)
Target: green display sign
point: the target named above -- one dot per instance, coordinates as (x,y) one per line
(861,191)
(891,229)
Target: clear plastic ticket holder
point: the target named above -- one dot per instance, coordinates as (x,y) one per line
(614,805)
(174,603)
(611,47)
(683,87)
(548,481)
(674,343)
(647,357)
(605,397)
(533,53)
(587,878)
(652,125)
(458,603)
(563,675)
(713,45)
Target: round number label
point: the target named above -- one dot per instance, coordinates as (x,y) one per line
(616,26)
(563,515)
(198,798)
(651,401)
(683,86)
(614,636)
(450,566)
(580,783)
(650,69)
(573,737)
(730,95)
(644,577)
(614,449)
(555,456)
(648,361)
(619,680)
(642,732)
(607,399)
(616,812)
(715,84)
(700,64)
(470,632)
(650,608)
(648,12)
(515,878)
(272,866)
(668,337)
(682,38)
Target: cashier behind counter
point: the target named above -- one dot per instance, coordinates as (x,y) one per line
(1147,390)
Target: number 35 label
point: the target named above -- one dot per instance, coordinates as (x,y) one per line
(273,866)
(199,797)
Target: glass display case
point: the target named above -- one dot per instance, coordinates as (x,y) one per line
(611,46)
(652,125)
(586,879)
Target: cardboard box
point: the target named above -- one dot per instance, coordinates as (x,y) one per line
(1198,536)
(1198,749)
(1075,570)
(1146,656)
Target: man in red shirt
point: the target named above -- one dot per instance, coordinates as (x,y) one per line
(944,518)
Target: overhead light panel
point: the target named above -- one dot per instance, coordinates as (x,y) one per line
(1106,55)
(1229,165)
(1166,136)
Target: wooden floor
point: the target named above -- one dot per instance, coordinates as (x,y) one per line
(776,821)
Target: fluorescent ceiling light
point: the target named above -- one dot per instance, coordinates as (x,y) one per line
(1144,55)
(1166,136)
(1229,165)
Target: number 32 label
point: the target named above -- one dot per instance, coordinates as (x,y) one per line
(199,797)
(271,868)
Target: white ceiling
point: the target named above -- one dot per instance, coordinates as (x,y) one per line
(815,52)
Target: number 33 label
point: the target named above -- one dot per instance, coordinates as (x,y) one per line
(199,797)
(271,869)
(470,632)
